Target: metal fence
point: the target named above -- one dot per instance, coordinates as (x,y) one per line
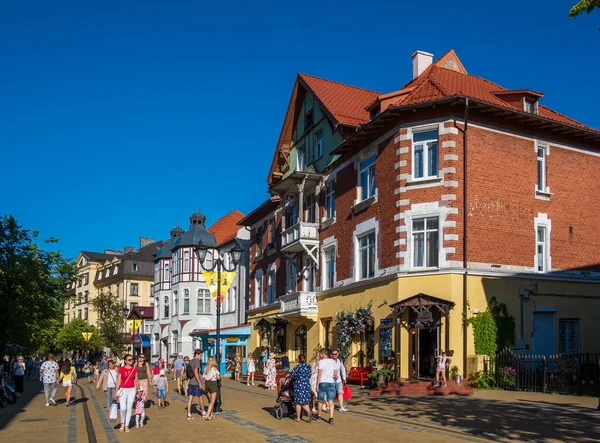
(577,374)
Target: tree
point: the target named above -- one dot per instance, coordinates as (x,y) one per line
(110,321)
(70,337)
(33,290)
(584,6)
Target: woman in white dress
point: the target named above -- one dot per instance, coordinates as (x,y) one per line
(251,368)
(313,383)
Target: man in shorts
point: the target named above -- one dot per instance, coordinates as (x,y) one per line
(340,378)
(326,383)
(177,365)
(195,386)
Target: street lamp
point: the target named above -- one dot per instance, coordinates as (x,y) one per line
(218,263)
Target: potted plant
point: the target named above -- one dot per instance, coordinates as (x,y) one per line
(381,376)
(455,374)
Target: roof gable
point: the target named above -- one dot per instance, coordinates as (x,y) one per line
(226,228)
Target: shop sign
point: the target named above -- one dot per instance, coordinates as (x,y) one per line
(231,339)
(386,321)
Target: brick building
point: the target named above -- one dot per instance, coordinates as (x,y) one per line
(372,205)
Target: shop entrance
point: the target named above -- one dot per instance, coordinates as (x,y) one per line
(425,344)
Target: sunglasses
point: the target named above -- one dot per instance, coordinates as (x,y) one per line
(334,354)
(129,359)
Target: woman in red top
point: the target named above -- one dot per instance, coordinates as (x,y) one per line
(127,386)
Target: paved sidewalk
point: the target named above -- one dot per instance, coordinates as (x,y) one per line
(488,416)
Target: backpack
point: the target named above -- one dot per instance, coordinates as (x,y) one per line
(189,372)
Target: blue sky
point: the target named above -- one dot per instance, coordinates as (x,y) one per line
(117,118)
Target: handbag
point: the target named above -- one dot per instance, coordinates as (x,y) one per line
(113,411)
(120,391)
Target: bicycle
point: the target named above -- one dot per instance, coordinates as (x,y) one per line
(7,393)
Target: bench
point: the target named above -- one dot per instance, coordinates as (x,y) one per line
(358,374)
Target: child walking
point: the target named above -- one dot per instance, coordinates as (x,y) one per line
(161,389)
(251,368)
(140,411)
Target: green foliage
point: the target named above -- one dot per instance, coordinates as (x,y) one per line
(485,333)
(70,337)
(482,380)
(33,286)
(349,323)
(586,6)
(493,329)
(383,373)
(110,321)
(454,371)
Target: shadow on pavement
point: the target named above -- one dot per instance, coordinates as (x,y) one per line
(531,421)
(10,412)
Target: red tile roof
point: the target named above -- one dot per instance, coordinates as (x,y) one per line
(345,103)
(226,228)
(438,82)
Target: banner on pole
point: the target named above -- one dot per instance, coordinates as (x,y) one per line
(133,325)
(87,336)
(210,277)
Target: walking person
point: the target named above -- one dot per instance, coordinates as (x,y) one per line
(19,375)
(237,363)
(340,379)
(49,370)
(108,382)
(177,365)
(271,373)
(251,369)
(442,363)
(37,363)
(326,383)
(127,384)
(87,369)
(161,388)
(68,377)
(194,389)
(185,380)
(301,375)
(313,383)
(143,372)
(211,378)
(140,408)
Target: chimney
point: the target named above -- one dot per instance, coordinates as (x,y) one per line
(421,61)
(145,241)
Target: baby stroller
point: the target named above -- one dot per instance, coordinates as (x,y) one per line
(284,406)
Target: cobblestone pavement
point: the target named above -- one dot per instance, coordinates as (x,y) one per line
(248,417)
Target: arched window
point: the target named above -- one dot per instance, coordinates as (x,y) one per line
(175,303)
(204,301)
(301,340)
(166,307)
(186,261)
(186,301)
(166,273)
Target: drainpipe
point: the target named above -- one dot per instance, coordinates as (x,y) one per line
(465,231)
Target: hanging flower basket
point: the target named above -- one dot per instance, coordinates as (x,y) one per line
(349,323)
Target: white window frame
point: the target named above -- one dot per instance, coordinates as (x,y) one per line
(186,298)
(271,284)
(203,301)
(542,188)
(310,205)
(258,288)
(186,261)
(166,307)
(367,227)
(330,249)
(309,275)
(318,144)
(291,279)
(232,299)
(175,262)
(166,273)
(135,293)
(371,170)
(301,157)
(175,304)
(330,199)
(542,221)
(425,144)
(424,232)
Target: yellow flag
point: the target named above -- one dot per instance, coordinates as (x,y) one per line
(87,336)
(210,277)
(136,325)
(130,326)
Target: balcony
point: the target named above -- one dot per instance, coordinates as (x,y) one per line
(302,236)
(299,304)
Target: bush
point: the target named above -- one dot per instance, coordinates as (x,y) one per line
(482,380)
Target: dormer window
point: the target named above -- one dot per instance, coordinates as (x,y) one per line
(530,106)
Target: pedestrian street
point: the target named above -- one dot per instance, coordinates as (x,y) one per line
(248,417)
